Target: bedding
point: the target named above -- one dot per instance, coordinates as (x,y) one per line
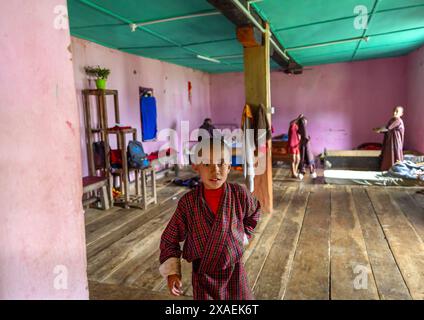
(368,178)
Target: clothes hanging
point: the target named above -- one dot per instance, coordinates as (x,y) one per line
(148,117)
(248,147)
(254,118)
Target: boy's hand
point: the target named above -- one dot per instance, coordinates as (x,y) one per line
(175,285)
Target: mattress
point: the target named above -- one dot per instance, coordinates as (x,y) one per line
(367,178)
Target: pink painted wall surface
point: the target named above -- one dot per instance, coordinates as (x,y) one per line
(41,216)
(169,81)
(415,109)
(343,101)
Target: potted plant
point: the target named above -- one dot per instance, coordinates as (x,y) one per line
(100,74)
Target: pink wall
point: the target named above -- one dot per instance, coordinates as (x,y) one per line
(41,218)
(415,110)
(169,82)
(343,101)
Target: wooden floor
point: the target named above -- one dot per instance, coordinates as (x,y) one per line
(321,242)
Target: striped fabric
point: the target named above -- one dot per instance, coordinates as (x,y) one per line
(214,243)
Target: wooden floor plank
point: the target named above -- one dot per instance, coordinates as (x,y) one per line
(112,232)
(103,291)
(143,275)
(310,274)
(418,197)
(406,245)
(254,262)
(134,267)
(349,259)
(411,209)
(264,219)
(130,262)
(273,277)
(116,214)
(92,215)
(136,243)
(387,276)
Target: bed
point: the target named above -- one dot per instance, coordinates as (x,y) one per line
(366,160)
(368,178)
(363,160)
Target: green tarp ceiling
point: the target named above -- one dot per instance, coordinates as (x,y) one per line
(312,31)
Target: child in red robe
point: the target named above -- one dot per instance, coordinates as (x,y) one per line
(294,146)
(215,221)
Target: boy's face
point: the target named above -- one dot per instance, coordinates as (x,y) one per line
(398,112)
(214,174)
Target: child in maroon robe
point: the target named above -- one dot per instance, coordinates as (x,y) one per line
(215,221)
(392,151)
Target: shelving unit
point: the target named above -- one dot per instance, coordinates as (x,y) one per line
(98,133)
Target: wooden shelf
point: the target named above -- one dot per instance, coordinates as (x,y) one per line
(99,134)
(123,131)
(99,92)
(114,131)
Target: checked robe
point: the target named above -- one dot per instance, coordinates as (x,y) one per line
(214,243)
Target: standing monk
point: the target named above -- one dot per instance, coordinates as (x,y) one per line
(392,151)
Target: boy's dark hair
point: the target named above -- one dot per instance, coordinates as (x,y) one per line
(197,155)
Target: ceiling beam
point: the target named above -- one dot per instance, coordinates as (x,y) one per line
(236,11)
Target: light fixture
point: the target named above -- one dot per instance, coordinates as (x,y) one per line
(208,59)
(133,27)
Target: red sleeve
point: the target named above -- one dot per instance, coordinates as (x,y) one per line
(174,233)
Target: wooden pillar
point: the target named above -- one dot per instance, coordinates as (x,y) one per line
(258,90)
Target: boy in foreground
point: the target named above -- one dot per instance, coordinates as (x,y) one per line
(215,220)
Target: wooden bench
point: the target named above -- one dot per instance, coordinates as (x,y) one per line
(96,189)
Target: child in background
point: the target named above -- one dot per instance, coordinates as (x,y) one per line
(215,220)
(306,155)
(294,146)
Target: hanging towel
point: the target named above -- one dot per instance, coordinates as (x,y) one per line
(148,118)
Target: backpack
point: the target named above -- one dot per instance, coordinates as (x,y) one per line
(116,159)
(137,158)
(99,155)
